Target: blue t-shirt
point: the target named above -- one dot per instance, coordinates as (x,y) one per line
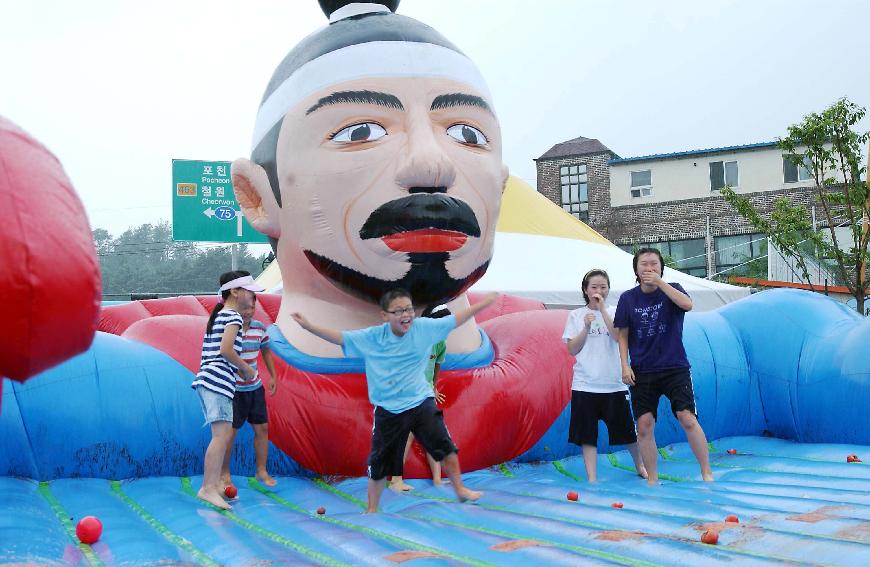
(396,366)
(655,329)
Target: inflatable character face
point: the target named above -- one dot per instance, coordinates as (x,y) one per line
(382,181)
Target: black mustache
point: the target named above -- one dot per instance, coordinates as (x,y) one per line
(419,211)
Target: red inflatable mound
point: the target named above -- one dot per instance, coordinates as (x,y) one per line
(324,421)
(48,265)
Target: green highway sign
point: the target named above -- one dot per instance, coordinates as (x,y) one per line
(204,206)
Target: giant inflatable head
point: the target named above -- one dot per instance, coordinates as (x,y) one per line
(376,163)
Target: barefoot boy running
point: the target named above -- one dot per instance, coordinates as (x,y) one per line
(396,355)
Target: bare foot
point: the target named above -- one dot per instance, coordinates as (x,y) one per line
(641,472)
(436,481)
(400,486)
(652,482)
(708,476)
(466,495)
(212,497)
(226,481)
(266,479)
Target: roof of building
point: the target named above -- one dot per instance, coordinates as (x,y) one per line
(707,151)
(579,146)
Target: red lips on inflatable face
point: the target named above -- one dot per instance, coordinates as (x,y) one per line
(324,421)
(426,240)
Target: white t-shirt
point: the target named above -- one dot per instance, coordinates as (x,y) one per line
(596,368)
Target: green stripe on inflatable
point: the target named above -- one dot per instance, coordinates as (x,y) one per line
(561,468)
(64,518)
(350,498)
(613,557)
(187,488)
(200,557)
(591,525)
(503,468)
(611,458)
(256,485)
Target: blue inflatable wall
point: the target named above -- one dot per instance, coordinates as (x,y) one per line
(788,364)
(120,410)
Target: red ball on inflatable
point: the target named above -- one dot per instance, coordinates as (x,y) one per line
(321,510)
(89,529)
(616,505)
(852,459)
(48,264)
(231,491)
(710,536)
(573,496)
(731,451)
(731,518)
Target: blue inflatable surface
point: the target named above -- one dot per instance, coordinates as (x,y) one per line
(781,377)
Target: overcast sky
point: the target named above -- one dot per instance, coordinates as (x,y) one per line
(118,89)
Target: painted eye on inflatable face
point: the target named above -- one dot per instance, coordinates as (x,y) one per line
(363,132)
(468,135)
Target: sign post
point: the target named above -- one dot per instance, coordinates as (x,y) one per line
(204,206)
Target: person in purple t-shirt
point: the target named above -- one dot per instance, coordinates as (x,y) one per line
(649,320)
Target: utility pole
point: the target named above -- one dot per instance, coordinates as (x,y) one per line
(234,255)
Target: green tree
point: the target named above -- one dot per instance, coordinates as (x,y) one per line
(828,146)
(145,259)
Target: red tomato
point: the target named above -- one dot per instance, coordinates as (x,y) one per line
(573,496)
(89,529)
(231,491)
(616,505)
(710,536)
(732,518)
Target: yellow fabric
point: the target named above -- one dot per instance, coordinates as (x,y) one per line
(523,210)
(526,211)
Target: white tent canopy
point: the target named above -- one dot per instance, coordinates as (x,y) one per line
(550,269)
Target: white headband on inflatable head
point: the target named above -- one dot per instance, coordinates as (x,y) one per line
(362,61)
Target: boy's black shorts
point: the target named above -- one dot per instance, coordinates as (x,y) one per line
(612,408)
(250,407)
(675,384)
(390,434)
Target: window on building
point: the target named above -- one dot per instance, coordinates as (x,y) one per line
(641,183)
(792,173)
(741,255)
(689,256)
(723,173)
(575,196)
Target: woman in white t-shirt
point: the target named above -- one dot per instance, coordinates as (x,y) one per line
(597,391)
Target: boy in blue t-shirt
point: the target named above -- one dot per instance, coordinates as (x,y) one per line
(649,319)
(396,355)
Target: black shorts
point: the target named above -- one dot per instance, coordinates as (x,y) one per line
(390,433)
(250,407)
(612,408)
(675,384)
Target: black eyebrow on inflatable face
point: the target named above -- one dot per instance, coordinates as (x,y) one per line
(459,99)
(358,97)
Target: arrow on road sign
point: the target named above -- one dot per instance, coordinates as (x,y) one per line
(208,212)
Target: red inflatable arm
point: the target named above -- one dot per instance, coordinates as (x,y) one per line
(48,265)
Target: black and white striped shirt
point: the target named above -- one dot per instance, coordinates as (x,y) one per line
(215,372)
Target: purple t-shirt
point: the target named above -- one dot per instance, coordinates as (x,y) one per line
(655,329)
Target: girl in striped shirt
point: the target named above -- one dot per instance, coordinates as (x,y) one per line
(215,383)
